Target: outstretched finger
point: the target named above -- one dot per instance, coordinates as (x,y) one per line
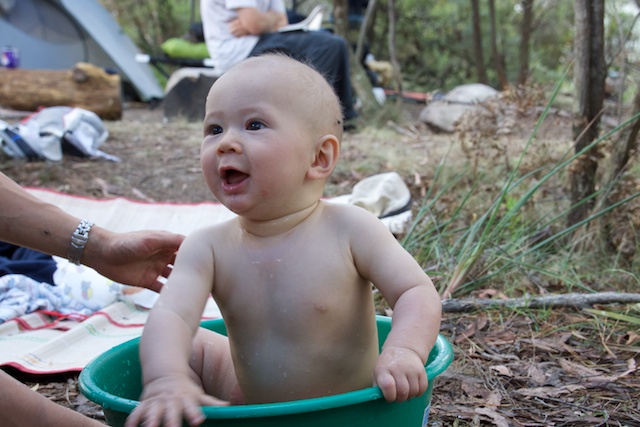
(193,414)
(142,414)
(134,417)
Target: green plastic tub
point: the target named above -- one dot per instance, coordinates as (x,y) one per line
(113,380)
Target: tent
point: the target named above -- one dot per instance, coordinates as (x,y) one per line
(57,34)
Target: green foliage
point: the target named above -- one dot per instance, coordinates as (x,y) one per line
(551,41)
(633,320)
(434,38)
(619,36)
(151,22)
(435,41)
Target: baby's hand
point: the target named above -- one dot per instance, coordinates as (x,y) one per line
(400,374)
(166,401)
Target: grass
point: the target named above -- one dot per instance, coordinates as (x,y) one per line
(497,233)
(505,229)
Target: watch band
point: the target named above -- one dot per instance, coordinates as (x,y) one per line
(79,239)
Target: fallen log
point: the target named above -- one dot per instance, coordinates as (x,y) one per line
(574,300)
(84,86)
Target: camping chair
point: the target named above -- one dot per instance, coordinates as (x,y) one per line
(158,61)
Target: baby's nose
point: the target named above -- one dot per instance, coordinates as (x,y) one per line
(230,142)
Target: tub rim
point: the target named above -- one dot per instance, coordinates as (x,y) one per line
(111,402)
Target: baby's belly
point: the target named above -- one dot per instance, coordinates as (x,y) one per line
(275,370)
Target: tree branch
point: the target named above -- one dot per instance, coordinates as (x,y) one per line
(547,301)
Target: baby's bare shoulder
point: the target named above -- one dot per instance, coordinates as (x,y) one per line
(214,233)
(347,214)
(345,209)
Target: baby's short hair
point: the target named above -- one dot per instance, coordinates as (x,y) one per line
(325,100)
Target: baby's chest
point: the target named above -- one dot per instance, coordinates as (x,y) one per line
(284,283)
(284,265)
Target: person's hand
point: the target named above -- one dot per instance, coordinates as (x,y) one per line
(137,258)
(400,374)
(237,29)
(168,400)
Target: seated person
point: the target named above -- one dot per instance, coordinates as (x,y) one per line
(237,29)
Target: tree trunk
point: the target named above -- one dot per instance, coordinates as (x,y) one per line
(525,35)
(85,86)
(624,148)
(497,60)
(341,18)
(364,28)
(589,77)
(625,144)
(477,43)
(359,78)
(392,49)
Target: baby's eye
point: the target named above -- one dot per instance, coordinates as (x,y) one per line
(214,130)
(255,125)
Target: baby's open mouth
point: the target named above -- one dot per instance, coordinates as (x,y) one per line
(233,176)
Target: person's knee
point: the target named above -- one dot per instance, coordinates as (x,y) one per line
(209,347)
(211,362)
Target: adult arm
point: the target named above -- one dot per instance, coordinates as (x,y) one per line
(22,407)
(135,258)
(251,21)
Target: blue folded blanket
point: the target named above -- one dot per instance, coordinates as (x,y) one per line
(27,262)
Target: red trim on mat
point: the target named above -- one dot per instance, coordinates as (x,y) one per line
(26,325)
(24,369)
(140,202)
(113,322)
(51,323)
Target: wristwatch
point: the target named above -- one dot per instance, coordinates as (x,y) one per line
(79,239)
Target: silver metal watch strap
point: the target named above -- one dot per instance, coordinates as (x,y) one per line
(79,239)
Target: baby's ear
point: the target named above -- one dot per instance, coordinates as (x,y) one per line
(326,157)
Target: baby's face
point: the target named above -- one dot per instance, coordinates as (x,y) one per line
(258,144)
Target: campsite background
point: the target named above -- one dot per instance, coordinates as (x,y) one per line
(491,200)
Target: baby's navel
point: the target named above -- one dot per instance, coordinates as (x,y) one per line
(320,307)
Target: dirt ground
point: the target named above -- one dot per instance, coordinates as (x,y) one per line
(511,367)
(160,161)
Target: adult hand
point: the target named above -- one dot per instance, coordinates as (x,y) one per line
(237,29)
(136,258)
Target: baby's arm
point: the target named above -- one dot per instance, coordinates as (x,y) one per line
(399,370)
(170,392)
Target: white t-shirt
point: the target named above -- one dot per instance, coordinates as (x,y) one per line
(225,49)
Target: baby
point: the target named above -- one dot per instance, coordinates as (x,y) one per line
(291,273)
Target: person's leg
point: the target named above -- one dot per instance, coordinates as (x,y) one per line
(326,52)
(213,367)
